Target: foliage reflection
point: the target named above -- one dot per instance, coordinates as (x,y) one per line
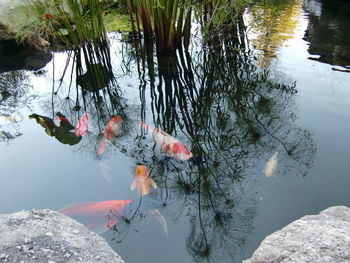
(236,115)
(233,115)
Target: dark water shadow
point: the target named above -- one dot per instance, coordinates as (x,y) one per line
(19,57)
(328,32)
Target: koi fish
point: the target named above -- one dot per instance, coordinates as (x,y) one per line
(271,165)
(168,144)
(97,216)
(111,130)
(142,181)
(158,216)
(82,126)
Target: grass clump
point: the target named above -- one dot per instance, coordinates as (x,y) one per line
(41,22)
(169,21)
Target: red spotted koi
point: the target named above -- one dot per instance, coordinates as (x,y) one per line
(168,144)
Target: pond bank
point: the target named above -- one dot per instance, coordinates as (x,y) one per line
(322,238)
(49,236)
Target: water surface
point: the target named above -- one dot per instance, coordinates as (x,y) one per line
(233,104)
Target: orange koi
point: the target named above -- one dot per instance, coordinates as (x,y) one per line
(142,181)
(97,216)
(168,144)
(111,130)
(82,125)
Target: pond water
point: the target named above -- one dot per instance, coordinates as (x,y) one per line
(268,126)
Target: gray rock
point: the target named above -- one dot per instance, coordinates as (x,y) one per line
(322,238)
(48,236)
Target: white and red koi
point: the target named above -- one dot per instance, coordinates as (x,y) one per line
(168,144)
(97,216)
(111,130)
(142,181)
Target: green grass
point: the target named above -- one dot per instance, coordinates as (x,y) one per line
(116,22)
(41,22)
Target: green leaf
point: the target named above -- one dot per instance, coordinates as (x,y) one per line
(62,32)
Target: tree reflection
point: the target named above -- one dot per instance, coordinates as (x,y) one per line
(86,84)
(14,89)
(272,23)
(236,115)
(64,132)
(327,32)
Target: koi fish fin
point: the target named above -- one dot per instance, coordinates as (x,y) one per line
(153,183)
(91,226)
(103,146)
(111,223)
(144,190)
(105,172)
(133,185)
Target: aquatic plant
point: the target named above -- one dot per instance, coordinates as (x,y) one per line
(222,17)
(87,27)
(168,21)
(72,22)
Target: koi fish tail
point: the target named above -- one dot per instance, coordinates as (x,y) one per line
(133,185)
(145,189)
(111,223)
(103,146)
